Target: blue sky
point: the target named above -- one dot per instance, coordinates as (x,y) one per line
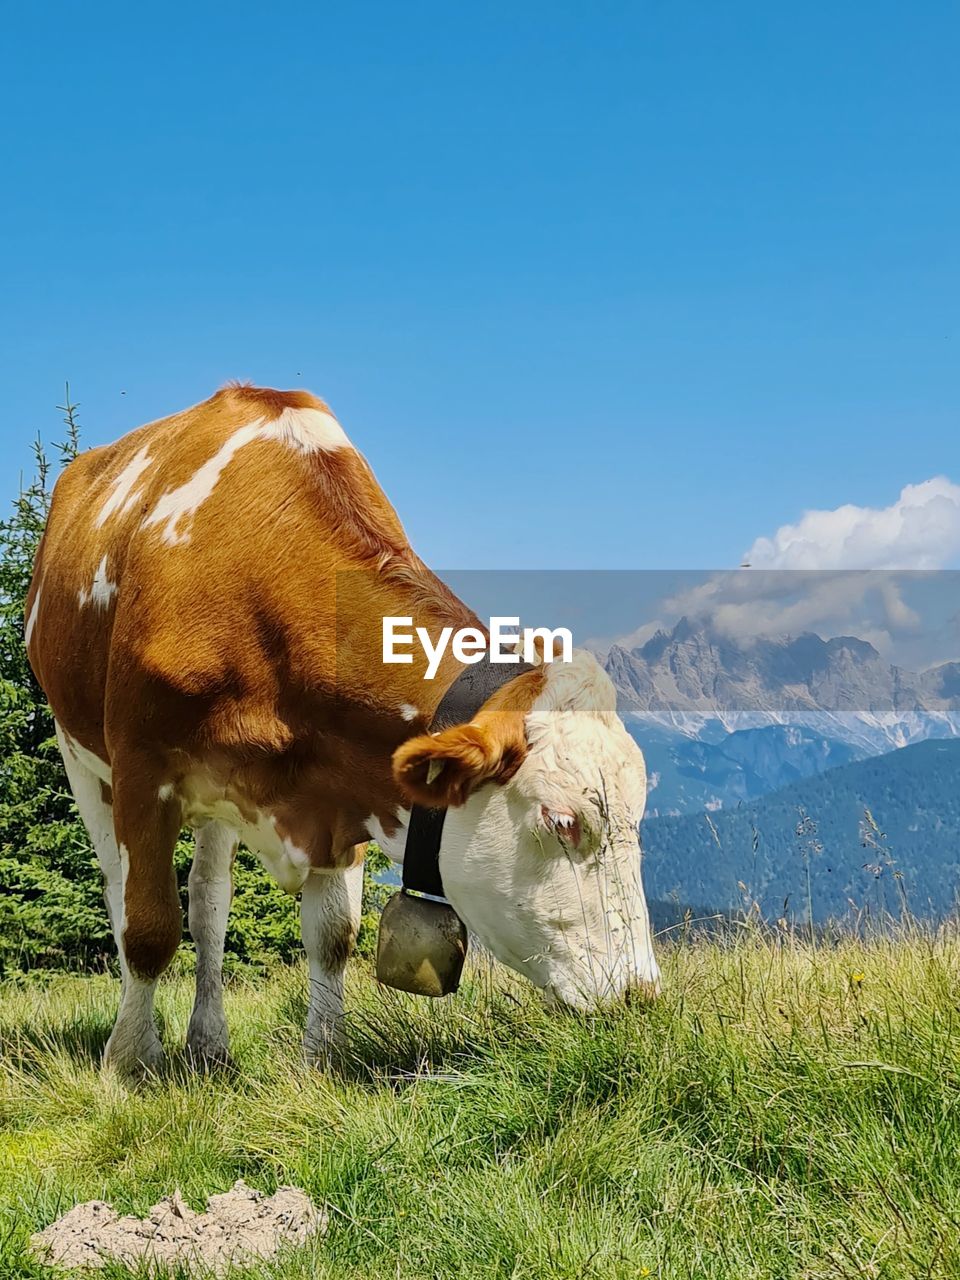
(605,285)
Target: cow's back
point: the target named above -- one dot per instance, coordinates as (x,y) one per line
(193,559)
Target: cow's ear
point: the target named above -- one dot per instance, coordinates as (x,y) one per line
(442,769)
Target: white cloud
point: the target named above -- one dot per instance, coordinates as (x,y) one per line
(744,604)
(840,572)
(921,530)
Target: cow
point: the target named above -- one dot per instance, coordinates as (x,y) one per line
(205,620)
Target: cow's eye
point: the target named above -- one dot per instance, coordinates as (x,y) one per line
(563,823)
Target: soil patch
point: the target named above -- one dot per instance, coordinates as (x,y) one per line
(241,1226)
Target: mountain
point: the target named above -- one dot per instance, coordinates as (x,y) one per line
(764,756)
(703,684)
(819,824)
(695,774)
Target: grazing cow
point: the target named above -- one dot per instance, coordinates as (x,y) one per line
(205,619)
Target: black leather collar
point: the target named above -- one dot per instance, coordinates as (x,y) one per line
(469,691)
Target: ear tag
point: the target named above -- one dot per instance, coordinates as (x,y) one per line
(434,770)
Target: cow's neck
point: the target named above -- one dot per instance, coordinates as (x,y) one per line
(358,719)
(405,589)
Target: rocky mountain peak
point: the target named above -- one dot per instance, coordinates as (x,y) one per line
(693,675)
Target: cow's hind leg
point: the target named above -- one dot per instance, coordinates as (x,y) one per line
(93,798)
(147,818)
(329,918)
(211,890)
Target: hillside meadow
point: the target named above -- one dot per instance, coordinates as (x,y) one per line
(784,1110)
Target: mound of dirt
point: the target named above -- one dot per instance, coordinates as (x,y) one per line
(240,1226)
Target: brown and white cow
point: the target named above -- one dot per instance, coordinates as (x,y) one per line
(205,618)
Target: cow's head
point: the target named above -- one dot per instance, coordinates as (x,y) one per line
(540,854)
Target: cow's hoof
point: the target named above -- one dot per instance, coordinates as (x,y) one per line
(134,1061)
(318,1056)
(209,1055)
(208,1047)
(323,1051)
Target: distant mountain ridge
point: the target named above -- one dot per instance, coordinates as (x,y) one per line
(819,823)
(690,774)
(702,684)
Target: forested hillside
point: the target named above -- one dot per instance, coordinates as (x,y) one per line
(871,833)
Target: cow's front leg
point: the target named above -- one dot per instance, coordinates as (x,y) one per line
(211,889)
(329,919)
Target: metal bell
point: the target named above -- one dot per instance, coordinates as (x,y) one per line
(421,946)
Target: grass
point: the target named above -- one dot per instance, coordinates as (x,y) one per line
(781,1111)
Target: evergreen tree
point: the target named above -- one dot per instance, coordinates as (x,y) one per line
(51,909)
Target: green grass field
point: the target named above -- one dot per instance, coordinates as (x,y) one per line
(781,1111)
